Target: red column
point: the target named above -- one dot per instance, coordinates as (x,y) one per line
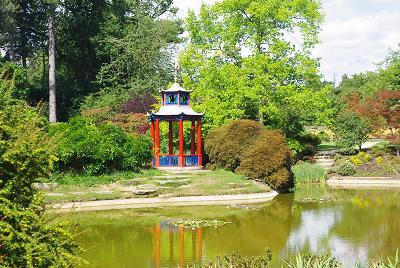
(181,153)
(193,147)
(152,135)
(157,138)
(199,151)
(170,141)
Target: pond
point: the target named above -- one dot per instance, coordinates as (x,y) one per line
(351,224)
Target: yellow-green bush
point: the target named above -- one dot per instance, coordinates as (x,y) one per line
(355,159)
(379,160)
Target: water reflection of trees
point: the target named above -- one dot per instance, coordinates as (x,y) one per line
(371,219)
(267,227)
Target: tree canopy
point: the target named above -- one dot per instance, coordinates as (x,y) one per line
(242,62)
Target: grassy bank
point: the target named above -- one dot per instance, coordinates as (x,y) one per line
(150,183)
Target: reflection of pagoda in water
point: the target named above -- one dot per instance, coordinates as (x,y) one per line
(173,243)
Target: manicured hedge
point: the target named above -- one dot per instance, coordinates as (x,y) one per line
(248,148)
(82,146)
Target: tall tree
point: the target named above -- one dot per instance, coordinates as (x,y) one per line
(52,68)
(242,62)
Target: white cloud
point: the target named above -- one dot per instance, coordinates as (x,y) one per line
(356,34)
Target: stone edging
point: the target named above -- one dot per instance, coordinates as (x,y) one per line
(385,182)
(163,202)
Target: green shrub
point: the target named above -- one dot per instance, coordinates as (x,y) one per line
(311,139)
(28,237)
(305,172)
(324,136)
(225,145)
(268,160)
(351,130)
(295,146)
(346,169)
(84,147)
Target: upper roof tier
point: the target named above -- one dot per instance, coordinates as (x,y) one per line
(175,88)
(176,102)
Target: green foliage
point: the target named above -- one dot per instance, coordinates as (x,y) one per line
(13,81)
(385,77)
(268,159)
(31,239)
(305,172)
(28,238)
(84,147)
(309,260)
(295,146)
(351,130)
(225,145)
(136,51)
(346,169)
(237,260)
(24,152)
(275,83)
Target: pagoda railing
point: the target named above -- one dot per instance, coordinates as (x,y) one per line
(168,160)
(171,160)
(191,160)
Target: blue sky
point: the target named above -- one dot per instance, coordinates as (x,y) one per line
(356,34)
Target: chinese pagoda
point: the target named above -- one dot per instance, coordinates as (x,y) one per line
(176,108)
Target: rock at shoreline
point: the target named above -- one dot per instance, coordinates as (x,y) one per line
(45,186)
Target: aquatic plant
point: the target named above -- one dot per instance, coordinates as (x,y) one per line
(237,260)
(309,260)
(305,172)
(194,224)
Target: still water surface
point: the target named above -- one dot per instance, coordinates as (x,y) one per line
(351,224)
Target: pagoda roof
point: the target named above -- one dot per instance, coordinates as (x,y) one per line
(175,88)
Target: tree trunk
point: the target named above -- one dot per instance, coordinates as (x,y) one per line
(11,50)
(52,70)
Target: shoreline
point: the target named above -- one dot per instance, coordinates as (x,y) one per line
(163,202)
(364,182)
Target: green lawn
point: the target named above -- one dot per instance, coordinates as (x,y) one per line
(123,185)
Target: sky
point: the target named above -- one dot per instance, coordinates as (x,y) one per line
(356,34)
